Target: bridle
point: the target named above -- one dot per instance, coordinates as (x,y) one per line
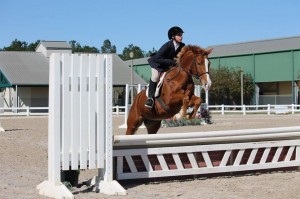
(197,72)
(193,64)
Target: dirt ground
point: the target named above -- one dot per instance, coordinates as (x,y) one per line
(23,164)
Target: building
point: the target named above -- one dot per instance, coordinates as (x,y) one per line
(24,76)
(273,64)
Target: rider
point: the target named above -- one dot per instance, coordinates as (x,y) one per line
(163,60)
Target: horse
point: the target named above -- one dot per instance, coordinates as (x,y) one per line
(177,91)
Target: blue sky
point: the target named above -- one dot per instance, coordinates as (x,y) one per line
(145,23)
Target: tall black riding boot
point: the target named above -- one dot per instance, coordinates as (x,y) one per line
(151,91)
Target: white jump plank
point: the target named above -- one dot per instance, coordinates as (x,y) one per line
(252,156)
(83,120)
(92,112)
(289,153)
(239,157)
(277,154)
(177,160)
(225,158)
(66,111)
(265,155)
(75,125)
(207,159)
(192,160)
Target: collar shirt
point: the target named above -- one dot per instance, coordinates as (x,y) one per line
(175,44)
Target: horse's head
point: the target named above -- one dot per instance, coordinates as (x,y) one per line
(194,60)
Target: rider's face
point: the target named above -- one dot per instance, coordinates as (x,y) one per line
(178,37)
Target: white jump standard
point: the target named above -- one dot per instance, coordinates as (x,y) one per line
(80,122)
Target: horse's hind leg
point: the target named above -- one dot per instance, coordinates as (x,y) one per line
(152,126)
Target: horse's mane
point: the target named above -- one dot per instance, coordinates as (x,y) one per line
(195,49)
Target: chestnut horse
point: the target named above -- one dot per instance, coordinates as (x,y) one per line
(176,92)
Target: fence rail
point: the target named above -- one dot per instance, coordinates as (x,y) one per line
(30,111)
(222,109)
(248,109)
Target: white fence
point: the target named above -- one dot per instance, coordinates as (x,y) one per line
(80,121)
(248,109)
(121,110)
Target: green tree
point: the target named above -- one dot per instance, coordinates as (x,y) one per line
(138,53)
(17,45)
(76,47)
(150,52)
(107,47)
(89,49)
(226,86)
(32,46)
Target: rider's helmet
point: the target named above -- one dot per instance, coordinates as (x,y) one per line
(174,31)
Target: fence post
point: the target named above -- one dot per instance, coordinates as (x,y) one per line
(222,108)
(27,111)
(269,109)
(244,109)
(293,108)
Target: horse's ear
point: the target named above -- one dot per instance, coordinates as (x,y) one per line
(209,51)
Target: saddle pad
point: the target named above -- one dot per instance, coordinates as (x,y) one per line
(160,83)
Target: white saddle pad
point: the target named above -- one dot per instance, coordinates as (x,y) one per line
(160,83)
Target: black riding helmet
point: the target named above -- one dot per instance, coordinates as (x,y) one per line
(173,31)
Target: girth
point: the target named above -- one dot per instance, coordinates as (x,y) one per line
(163,105)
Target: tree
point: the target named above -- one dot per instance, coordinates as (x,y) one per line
(138,53)
(76,47)
(89,49)
(107,47)
(16,45)
(226,86)
(150,52)
(32,46)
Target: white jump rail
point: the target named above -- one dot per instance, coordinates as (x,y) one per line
(232,144)
(80,122)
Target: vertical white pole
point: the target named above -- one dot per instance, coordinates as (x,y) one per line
(126,103)
(222,109)
(206,98)
(54,120)
(108,109)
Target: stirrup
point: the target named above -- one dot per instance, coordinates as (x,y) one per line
(149,102)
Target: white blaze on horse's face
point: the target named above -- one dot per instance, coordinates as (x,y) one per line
(207,85)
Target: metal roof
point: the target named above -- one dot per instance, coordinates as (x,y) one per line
(122,72)
(24,68)
(139,61)
(256,47)
(55,45)
(32,68)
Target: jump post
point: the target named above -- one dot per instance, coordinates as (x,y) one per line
(80,122)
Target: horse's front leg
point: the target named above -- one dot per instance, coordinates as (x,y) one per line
(185,104)
(196,102)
